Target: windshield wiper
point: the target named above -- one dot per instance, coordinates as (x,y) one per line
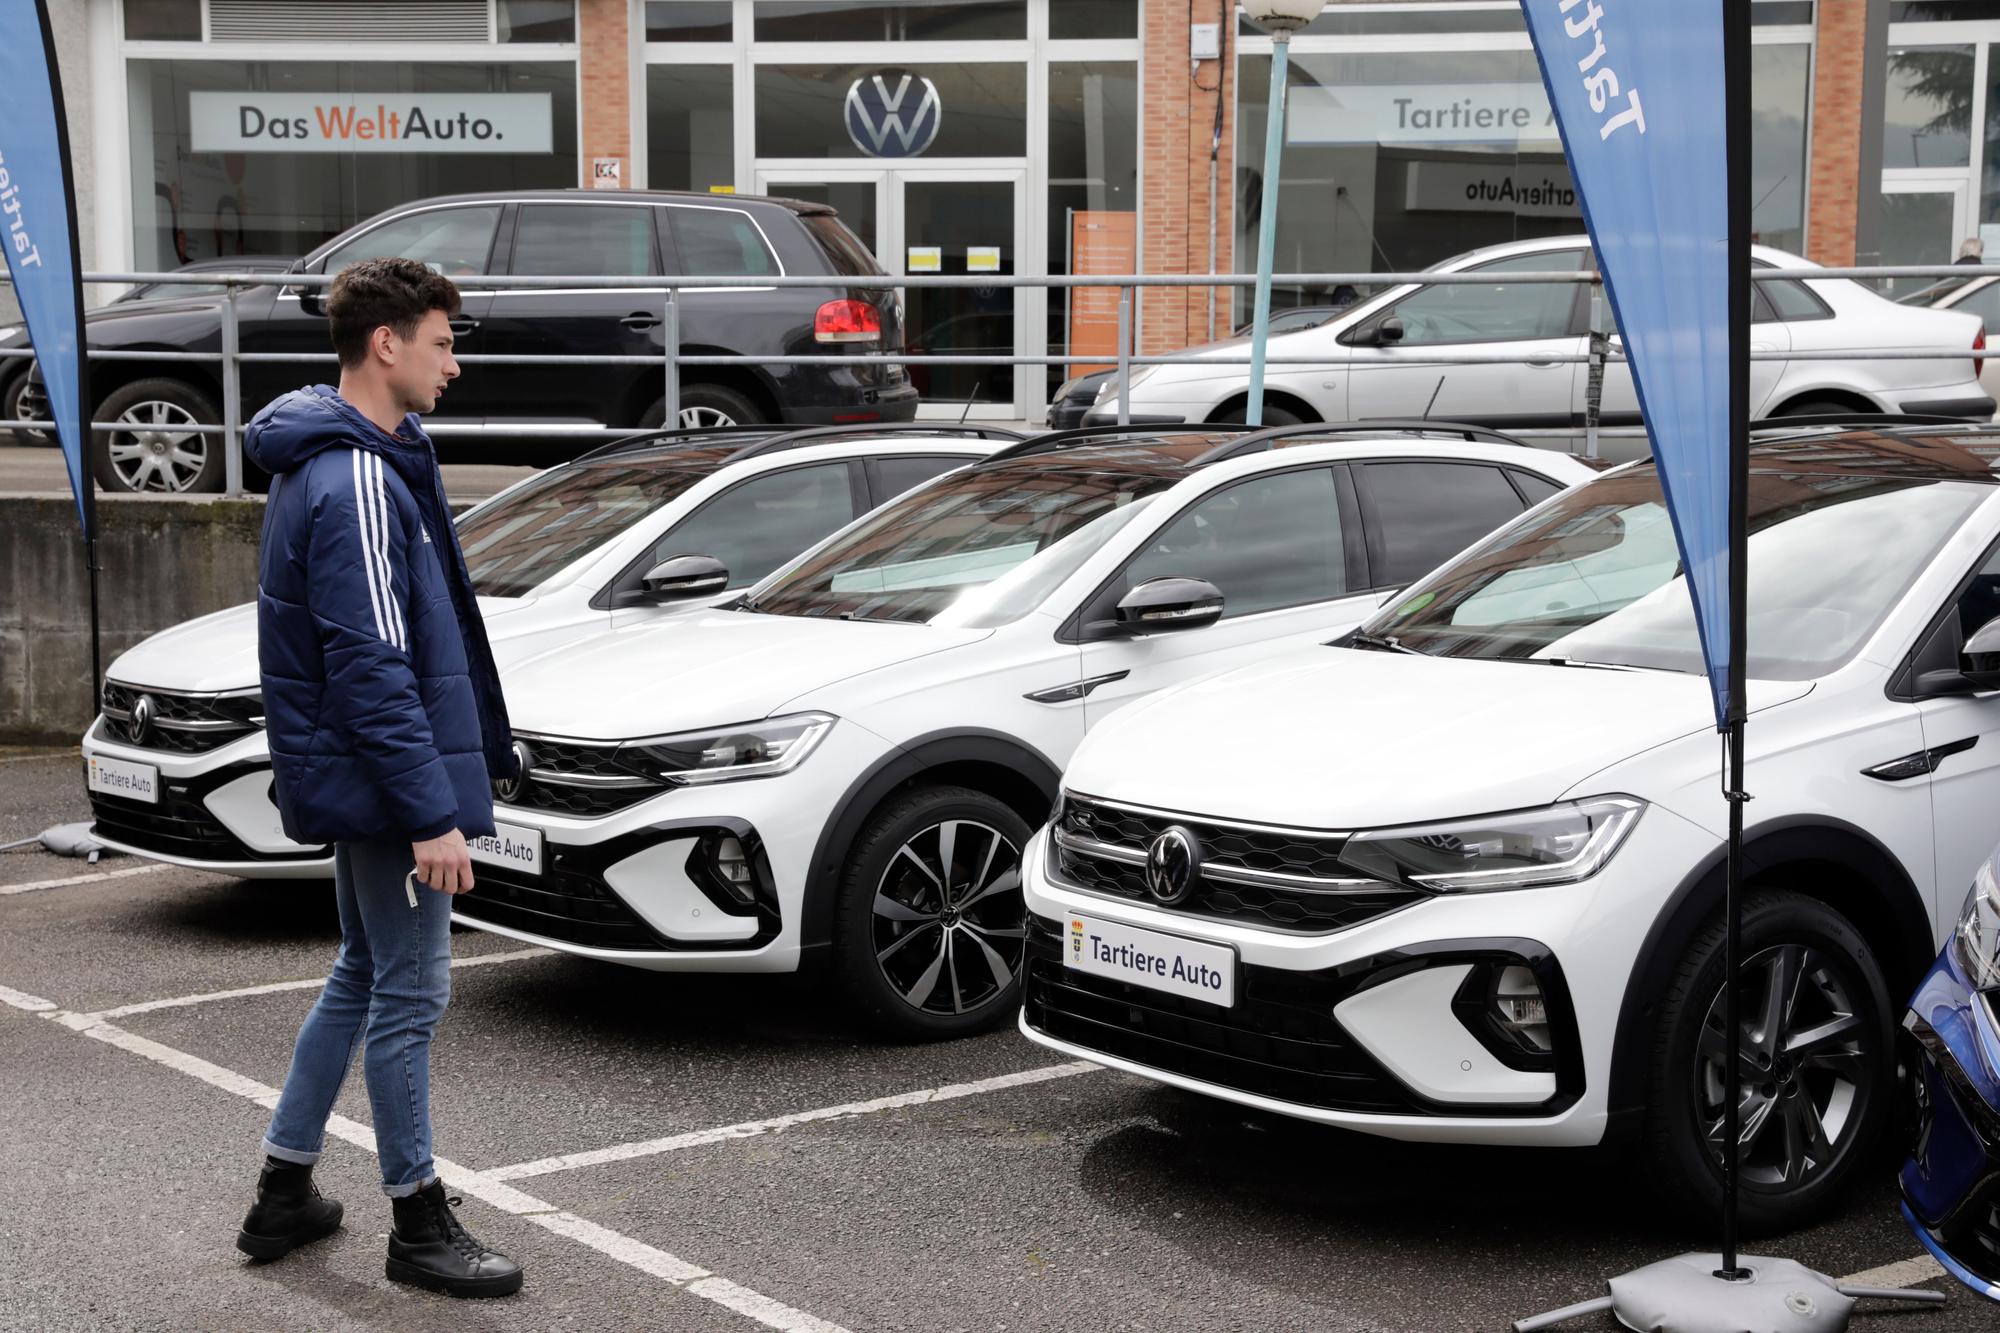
(1582,664)
(1381,643)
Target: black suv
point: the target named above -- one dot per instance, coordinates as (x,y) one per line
(630,233)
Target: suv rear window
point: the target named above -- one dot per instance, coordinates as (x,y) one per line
(720,243)
(842,248)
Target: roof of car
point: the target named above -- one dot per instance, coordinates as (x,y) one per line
(1146,448)
(1925,452)
(617,196)
(707,447)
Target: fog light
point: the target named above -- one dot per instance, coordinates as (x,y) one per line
(1521,1010)
(732,868)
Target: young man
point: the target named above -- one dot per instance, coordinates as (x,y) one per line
(386,725)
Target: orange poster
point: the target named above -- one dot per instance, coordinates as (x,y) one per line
(1100,242)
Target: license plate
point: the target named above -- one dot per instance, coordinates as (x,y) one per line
(1149,958)
(116,777)
(512,846)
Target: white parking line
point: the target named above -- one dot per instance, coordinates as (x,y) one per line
(658,1263)
(154,869)
(1903,1273)
(751,1128)
(40,758)
(277,987)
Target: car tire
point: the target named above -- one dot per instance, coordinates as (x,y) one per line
(705,405)
(1811,957)
(1822,407)
(911,963)
(10,410)
(1273,416)
(152,457)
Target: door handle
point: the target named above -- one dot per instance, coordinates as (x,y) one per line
(639,321)
(1546,364)
(461,327)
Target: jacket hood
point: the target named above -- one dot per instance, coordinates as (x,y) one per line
(309,421)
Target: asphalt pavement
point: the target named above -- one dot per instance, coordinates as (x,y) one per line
(717,1153)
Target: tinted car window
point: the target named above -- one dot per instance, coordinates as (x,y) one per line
(454,241)
(901,474)
(843,249)
(1533,485)
(1491,311)
(1793,301)
(720,242)
(1268,542)
(764,522)
(1980,602)
(1420,514)
(593,239)
(527,535)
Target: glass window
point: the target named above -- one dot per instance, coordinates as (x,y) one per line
(1422,513)
(690,127)
(1595,576)
(1093,18)
(163,20)
(903,474)
(844,251)
(894,21)
(199,194)
(1779,91)
(1927,107)
(601,240)
(1916,229)
(454,241)
(537,20)
(757,526)
(1534,485)
(981,110)
(1984,303)
(720,242)
(1488,312)
(688,21)
(1093,159)
(1794,301)
(1268,542)
(1979,604)
(515,544)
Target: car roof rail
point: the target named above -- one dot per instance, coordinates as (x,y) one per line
(1063,439)
(826,434)
(675,435)
(1812,420)
(1268,438)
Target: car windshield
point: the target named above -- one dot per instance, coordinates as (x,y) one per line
(976,549)
(1594,575)
(514,544)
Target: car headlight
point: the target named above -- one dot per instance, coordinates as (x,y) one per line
(1108,392)
(727,754)
(1977,940)
(1557,844)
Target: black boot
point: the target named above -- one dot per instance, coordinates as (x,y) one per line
(289,1212)
(431,1248)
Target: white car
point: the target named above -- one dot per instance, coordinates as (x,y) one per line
(1394,332)
(1977,293)
(177,764)
(847,762)
(1459,877)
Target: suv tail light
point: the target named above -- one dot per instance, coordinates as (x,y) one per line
(847,322)
(1979,345)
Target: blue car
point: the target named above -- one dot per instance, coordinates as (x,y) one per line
(1951,1052)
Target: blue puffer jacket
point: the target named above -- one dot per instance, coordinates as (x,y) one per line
(380,695)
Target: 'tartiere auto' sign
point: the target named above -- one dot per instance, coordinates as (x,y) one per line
(254,122)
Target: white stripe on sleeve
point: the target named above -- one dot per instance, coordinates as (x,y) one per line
(362,516)
(397,628)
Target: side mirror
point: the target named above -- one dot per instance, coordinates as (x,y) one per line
(683,576)
(1389,331)
(1979,660)
(312,300)
(1169,604)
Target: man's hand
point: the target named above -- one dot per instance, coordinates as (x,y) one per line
(445,863)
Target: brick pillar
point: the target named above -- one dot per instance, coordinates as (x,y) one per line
(1834,187)
(1177,113)
(604,41)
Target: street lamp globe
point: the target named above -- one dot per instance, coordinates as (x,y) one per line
(1282,17)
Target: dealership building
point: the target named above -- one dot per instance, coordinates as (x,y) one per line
(987,136)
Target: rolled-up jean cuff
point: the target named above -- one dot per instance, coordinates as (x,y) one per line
(405,1191)
(289,1154)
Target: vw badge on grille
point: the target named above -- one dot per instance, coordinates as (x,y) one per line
(1172,863)
(509,789)
(140,724)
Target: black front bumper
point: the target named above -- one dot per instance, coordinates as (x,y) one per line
(180,825)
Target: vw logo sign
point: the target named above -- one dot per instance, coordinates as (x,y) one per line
(509,789)
(1173,862)
(893,113)
(141,721)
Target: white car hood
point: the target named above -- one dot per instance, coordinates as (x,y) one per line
(218,652)
(705,669)
(1341,739)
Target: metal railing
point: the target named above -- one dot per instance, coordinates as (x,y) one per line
(1603,349)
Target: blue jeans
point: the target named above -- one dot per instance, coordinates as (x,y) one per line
(388,989)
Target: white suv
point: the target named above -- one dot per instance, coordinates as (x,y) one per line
(1458,877)
(1391,334)
(177,765)
(850,759)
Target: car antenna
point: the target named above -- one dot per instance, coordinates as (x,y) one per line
(971,398)
(1434,398)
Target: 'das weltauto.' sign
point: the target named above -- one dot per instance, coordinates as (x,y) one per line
(253,122)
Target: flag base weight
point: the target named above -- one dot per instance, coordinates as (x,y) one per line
(1684,1295)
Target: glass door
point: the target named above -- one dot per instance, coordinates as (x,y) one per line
(963,224)
(860,196)
(1923,222)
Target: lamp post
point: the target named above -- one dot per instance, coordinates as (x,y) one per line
(1281,18)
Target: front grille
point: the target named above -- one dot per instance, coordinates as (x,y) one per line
(178,824)
(178,723)
(1279,1040)
(577,778)
(1278,879)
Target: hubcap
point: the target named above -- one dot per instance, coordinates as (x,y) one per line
(1805,1067)
(155,450)
(950,925)
(706,416)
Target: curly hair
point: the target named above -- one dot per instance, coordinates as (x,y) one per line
(375,292)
